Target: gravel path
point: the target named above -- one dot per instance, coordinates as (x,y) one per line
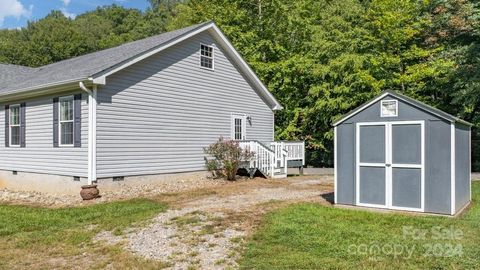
(196,235)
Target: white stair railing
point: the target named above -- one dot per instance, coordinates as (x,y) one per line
(274,159)
(264,158)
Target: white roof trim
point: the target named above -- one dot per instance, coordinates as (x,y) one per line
(33,91)
(361,108)
(100,77)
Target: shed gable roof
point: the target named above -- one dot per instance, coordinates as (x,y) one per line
(98,65)
(439,113)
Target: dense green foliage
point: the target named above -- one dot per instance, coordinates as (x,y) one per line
(312,236)
(319,58)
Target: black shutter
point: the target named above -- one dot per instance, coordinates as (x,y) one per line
(77,116)
(55,122)
(7,125)
(22,124)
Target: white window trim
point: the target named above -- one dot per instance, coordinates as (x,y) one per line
(69,121)
(243,117)
(453,201)
(335,165)
(389,100)
(10,124)
(212,58)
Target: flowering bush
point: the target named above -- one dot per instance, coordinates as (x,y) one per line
(226,156)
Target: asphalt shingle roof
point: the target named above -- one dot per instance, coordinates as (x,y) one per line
(16,79)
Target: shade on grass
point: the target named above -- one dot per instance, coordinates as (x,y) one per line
(312,236)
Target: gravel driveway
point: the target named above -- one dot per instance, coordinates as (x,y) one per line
(207,231)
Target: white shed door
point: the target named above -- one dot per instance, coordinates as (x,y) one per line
(390,165)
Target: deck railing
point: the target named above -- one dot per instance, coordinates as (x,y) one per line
(295,150)
(269,159)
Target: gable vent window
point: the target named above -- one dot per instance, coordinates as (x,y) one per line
(389,108)
(206,56)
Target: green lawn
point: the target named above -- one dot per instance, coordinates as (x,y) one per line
(44,238)
(311,236)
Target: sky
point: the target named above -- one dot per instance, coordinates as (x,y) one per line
(16,13)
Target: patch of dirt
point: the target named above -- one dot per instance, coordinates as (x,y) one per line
(33,198)
(207,227)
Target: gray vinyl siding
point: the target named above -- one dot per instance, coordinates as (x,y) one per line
(39,155)
(462,166)
(157,115)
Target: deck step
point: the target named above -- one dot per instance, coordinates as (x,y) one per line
(280,175)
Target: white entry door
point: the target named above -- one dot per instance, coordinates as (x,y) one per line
(390,165)
(238,127)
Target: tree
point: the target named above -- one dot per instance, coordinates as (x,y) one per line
(320,58)
(57,37)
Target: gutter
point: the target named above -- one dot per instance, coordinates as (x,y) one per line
(35,88)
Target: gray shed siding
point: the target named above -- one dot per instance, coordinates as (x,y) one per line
(462,166)
(437,167)
(437,159)
(39,155)
(345,170)
(157,115)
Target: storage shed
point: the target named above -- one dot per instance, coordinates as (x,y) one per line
(397,153)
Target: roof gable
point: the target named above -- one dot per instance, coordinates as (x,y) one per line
(415,103)
(95,67)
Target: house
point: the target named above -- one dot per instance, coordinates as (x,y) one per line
(398,153)
(139,110)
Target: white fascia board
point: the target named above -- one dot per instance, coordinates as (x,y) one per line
(22,92)
(361,108)
(99,78)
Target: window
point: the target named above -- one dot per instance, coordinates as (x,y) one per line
(15,125)
(206,56)
(238,127)
(66,120)
(389,108)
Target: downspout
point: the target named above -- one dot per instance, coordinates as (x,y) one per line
(92,132)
